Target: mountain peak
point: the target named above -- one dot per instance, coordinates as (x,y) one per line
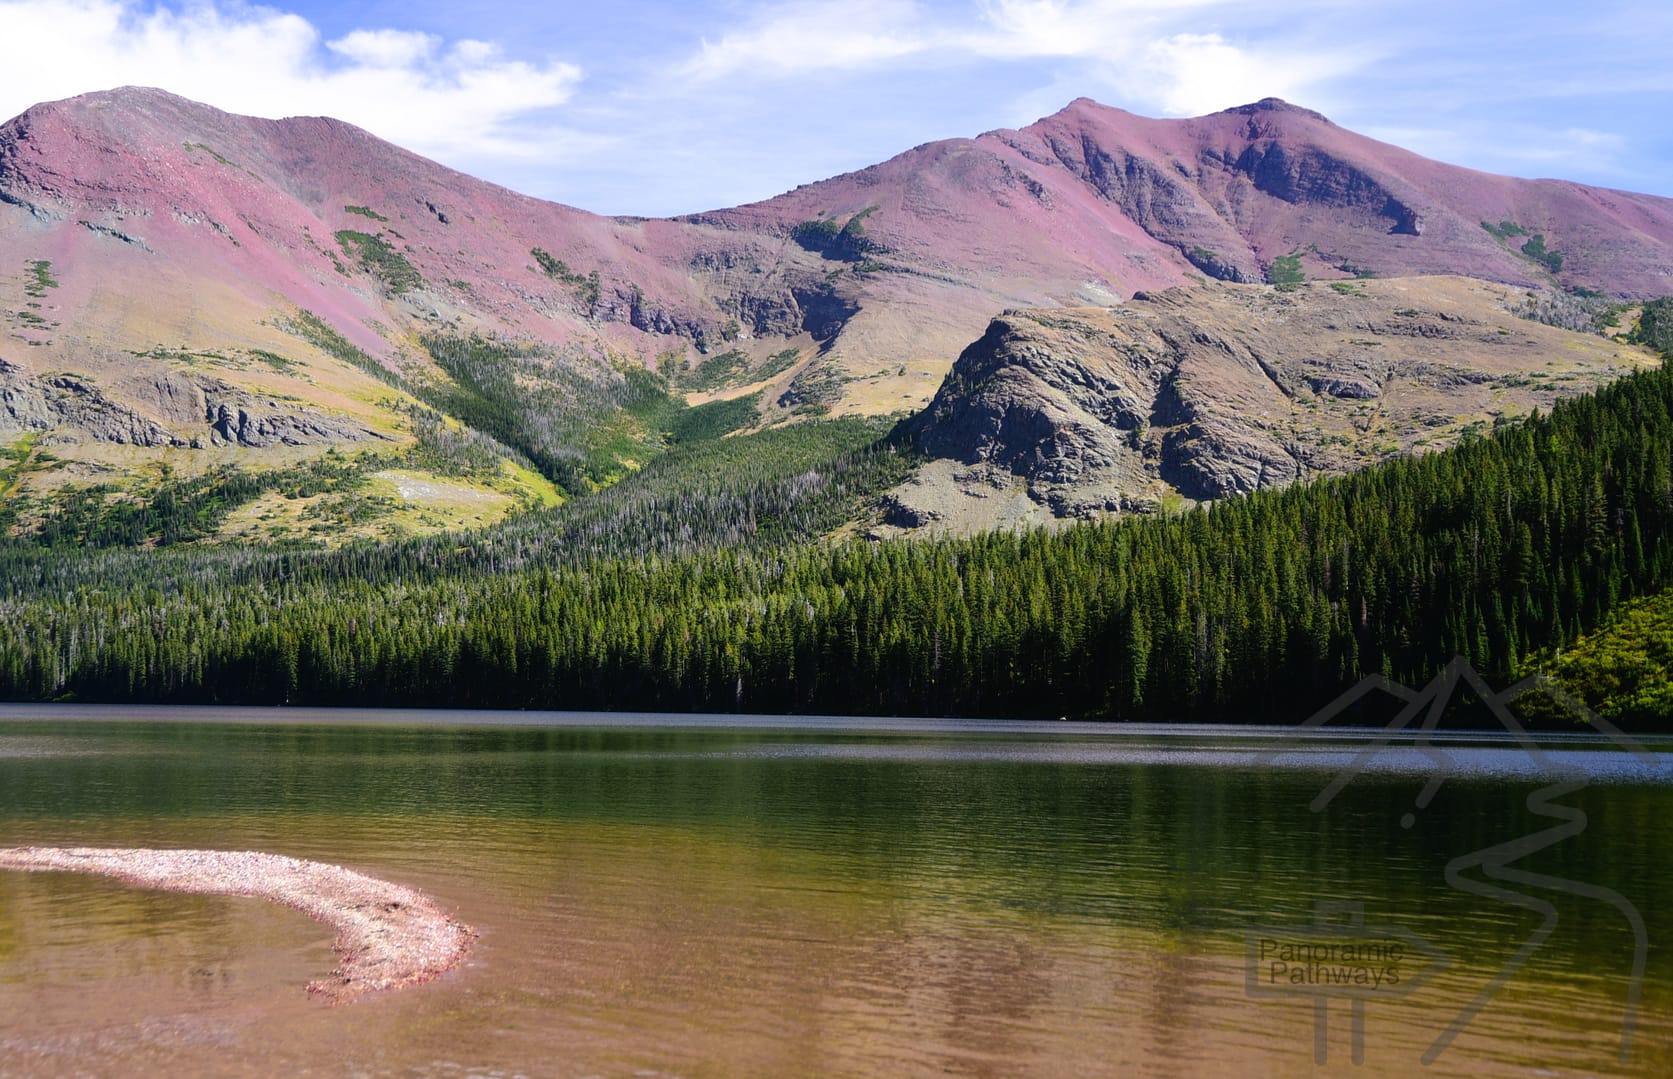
(153,220)
(1265,104)
(1087,105)
(136,93)
(123,109)
(137,98)
(1274,104)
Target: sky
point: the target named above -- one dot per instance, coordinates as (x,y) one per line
(658,108)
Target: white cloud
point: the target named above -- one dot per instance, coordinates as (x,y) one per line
(466,101)
(807,35)
(1135,47)
(385,48)
(475,52)
(1022,29)
(813,35)
(1194,74)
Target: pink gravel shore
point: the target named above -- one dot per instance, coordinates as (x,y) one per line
(388,936)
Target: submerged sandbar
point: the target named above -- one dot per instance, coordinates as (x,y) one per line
(388,936)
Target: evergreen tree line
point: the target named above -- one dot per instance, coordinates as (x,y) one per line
(674,592)
(1655,326)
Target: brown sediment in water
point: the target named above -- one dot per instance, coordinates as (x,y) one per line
(388,936)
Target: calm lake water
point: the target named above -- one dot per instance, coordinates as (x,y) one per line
(670,896)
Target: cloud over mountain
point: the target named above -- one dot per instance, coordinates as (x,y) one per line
(439,97)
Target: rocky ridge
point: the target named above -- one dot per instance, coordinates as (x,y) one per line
(1198,393)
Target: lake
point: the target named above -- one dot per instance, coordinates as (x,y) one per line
(775,896)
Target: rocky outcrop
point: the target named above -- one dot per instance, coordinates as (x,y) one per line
(824,311)
(117,234)
(193,414)
(1102,410)
(71,403)
(1042,399)
(1167,204)
(1344,385)
(238,419)
(1206,460)
(1407,221)
(1198,394)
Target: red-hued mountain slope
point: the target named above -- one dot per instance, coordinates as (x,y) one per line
(1101,201)
(144,188)
(157,253)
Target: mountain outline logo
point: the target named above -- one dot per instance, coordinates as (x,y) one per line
(1490,873)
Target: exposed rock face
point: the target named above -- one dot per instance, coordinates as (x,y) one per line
(1407,221)
(1344,385)
(62,406)
(240,419)
(1043,396)
(30,404)
(1107,411)
(1208,392)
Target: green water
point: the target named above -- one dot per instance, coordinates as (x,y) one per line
(684,897)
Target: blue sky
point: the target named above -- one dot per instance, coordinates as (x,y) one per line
(663,108)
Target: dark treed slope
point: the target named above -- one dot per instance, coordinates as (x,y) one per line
(1624,670)
(1256,607)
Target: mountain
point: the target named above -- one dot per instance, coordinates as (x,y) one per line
(187,289)
(1094,203)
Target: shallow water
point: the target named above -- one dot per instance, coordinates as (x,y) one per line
(727,896)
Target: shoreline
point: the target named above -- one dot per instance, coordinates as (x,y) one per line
(322,717)
(388,936)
